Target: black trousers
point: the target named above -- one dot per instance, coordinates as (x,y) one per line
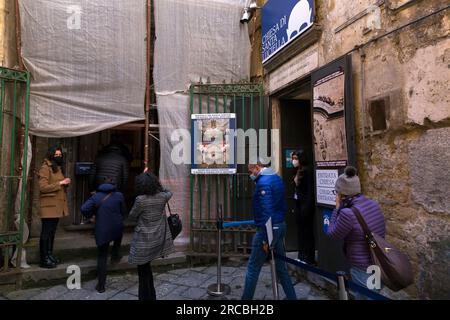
(49,226)
(305,234)
(146,285)
(102,259)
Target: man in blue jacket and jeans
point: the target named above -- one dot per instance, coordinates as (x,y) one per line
(268,202)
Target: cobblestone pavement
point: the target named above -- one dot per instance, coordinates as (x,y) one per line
(177,284)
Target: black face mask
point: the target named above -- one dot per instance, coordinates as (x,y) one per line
(58,160)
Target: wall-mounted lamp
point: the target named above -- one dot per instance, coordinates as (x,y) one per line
(248,11)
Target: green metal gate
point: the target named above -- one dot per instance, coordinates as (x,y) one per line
(230,193)
(14,119)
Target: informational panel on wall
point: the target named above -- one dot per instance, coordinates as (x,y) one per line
(329,121)
(283,22)
(325,181)
(213,143)
(333,131)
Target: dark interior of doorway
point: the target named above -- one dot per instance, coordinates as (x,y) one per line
(130,135)
(296,134)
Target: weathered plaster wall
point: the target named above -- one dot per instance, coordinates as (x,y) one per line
(8,53)
(407,164)
(404,167)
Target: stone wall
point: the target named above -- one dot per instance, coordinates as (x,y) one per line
(402,81)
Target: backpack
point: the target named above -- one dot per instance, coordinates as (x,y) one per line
(396,269)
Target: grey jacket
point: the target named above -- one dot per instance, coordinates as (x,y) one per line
(149,242)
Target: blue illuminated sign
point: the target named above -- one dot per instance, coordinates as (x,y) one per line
(282,22)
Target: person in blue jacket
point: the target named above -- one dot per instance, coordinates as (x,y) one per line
(268,202)
(108,206)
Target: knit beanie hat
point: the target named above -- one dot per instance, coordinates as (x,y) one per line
(348,183)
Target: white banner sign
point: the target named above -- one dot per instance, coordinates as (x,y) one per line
(325,181)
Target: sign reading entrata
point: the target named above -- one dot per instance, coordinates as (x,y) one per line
(325,180)
(282,22)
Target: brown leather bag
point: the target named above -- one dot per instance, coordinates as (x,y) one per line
(396,270)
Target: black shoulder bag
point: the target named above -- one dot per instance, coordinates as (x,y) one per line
(174,222)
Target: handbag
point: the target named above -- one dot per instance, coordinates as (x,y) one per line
(396,269)
(174,222)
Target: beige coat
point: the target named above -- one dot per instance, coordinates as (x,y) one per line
(53,199)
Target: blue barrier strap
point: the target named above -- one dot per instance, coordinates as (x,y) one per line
(237,223)
(325,274)
(333,277)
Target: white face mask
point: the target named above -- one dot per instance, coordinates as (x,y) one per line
(295,163)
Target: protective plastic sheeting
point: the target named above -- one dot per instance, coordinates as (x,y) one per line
(195,39)
(88,64)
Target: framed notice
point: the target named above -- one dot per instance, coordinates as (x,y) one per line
(333,126)
(330,139)
(325,181)
(213,143)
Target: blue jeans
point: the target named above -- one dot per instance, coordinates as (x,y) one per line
(258,257)
(360,277)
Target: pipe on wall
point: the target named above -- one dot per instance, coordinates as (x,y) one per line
(362,84)
(147,88)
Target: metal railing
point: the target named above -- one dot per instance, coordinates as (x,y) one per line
(14,124)
(232,192)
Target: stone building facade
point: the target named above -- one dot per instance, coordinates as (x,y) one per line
(400,54)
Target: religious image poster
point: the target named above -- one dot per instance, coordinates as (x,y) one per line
(213,143)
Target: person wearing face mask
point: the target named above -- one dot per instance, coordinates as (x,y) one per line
(268,202)
(304,207)
(53,203)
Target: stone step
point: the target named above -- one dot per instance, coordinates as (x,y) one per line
(38,277)
(72,245)
(128,226)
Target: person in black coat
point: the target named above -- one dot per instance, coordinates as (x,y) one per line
(111,162)
(304,207)
(108,206)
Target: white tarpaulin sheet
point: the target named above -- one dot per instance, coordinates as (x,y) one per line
(195,39)
(88,64)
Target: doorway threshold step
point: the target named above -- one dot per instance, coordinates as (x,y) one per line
(90,226)
(73,245)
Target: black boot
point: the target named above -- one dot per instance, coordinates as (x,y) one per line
(51,241)
(45,259)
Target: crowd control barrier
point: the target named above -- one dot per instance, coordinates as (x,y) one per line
(339,278)
(219,289)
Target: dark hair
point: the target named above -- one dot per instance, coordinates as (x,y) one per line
(50,156)
(147,183)
(301,155)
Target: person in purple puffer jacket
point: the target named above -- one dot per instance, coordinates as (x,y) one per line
(345,226)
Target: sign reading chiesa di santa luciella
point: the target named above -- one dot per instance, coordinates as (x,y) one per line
(282,22)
